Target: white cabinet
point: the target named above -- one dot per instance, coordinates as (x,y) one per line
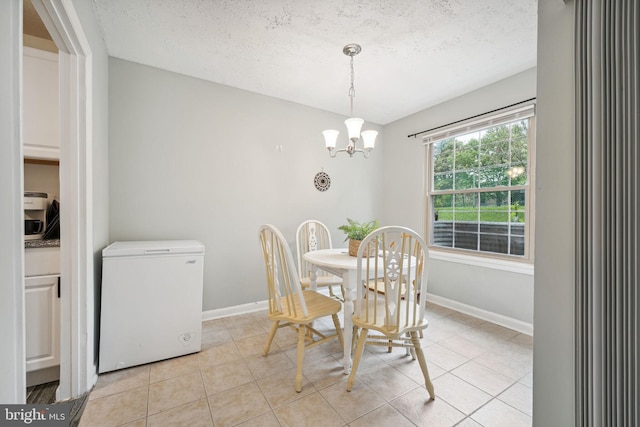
(42,317)
(41,122)
(42,308)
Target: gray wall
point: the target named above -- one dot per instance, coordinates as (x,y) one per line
(505,293)
(190,159)
(553,353)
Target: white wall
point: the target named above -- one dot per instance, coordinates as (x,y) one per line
(553,353)
(504,293)
(190,159)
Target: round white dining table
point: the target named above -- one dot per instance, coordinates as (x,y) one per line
(339,262)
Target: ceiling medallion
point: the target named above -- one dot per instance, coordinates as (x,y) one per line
(322,181)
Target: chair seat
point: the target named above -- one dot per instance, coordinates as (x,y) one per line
(321,281)
(379,324)
(378,286)
(318,305)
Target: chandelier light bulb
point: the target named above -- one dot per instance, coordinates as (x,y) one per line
(330,138)
(369,139)
(354,126)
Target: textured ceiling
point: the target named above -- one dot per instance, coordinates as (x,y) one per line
(415,53)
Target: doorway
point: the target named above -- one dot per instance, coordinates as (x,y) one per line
(41,152)
(77,367)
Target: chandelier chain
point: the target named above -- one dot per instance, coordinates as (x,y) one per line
(352,90)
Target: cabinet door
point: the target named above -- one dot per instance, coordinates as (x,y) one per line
(41,129)
(42,317)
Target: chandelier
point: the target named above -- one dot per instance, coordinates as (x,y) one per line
(354,125)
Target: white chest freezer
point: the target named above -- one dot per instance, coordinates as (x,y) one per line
(151,307)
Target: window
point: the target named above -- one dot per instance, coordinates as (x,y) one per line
(478,185)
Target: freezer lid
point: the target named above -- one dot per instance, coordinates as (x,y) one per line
(155,247)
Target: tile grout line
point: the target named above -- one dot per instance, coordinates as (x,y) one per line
(383,362)
(206,395)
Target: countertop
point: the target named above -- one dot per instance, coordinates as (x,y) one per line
(41,243)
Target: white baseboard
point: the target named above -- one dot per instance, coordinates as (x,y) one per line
(498,319)
(243,308)
(44,375)
(235,310)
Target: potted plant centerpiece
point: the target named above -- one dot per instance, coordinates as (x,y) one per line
(356,232)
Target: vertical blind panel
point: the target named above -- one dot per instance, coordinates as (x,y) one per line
(584,238)
(607,205)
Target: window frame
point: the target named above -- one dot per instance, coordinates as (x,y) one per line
(483,122)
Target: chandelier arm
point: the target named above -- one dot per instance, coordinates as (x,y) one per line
(333,152)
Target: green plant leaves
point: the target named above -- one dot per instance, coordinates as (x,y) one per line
(358,230)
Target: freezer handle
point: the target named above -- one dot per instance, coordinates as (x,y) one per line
(157,251)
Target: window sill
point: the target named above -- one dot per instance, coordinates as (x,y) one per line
(481,261)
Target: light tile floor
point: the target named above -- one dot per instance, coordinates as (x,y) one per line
(482,375)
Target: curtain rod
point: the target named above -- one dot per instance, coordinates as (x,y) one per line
(468,118)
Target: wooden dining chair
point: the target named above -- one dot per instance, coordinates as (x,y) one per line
(289,304)
(393,316)
(313,235)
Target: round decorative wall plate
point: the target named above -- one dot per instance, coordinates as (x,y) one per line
(322,181)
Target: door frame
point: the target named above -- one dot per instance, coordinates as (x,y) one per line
(78,371)
(12,351)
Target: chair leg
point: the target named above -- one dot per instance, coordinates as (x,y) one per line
(331,294)
(362,338)
(300,356)
(272,333)
(410,350)
(423,364)
(354,338)
(336,323)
